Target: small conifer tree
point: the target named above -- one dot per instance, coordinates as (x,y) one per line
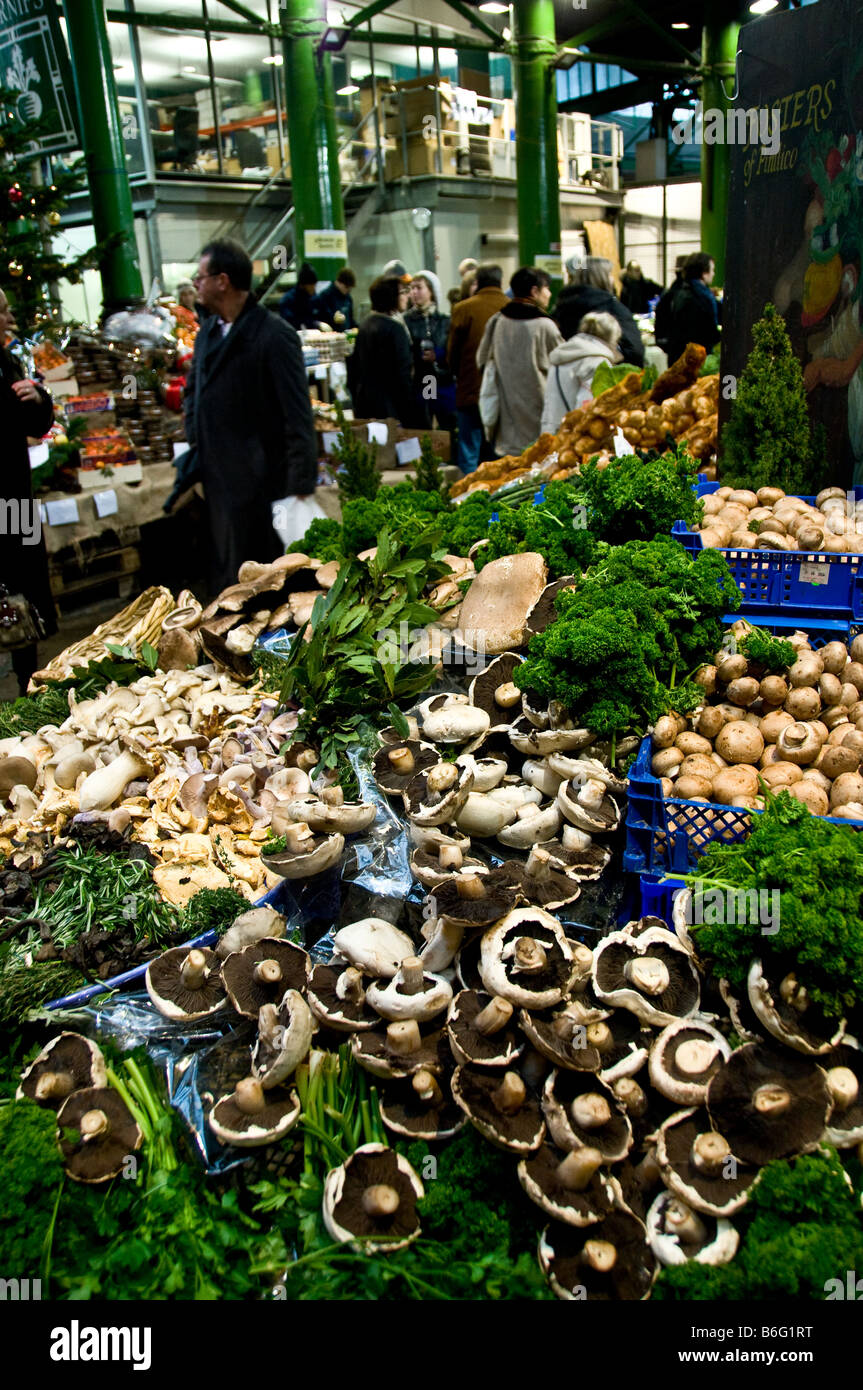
(357,464)
(768,441)
(429,477)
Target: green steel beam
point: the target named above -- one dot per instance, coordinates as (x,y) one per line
(718,52)
(310,106)
(237,8)
(477,21)
(389,40)
(368,12)
(659,65)
(102,142)
(183,24)
(536,131)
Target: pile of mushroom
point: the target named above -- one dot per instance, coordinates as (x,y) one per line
(799,731)
(188,759)
(739,519)
(95,1131)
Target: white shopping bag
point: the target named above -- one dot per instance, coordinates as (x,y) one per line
(293,516)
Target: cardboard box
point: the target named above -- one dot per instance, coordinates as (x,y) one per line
(416,99)
(420,159)
(89,479)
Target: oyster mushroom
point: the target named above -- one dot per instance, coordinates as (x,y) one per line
(678,1234)
(610,1260)
(96,1134)
(370,1200)
(501,1106)
(186,984)
(527,959)
(284,1038)
(769,1102)
(251,1116)
(67,1063)
(261,973)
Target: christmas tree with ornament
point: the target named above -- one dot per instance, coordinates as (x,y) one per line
(32,197)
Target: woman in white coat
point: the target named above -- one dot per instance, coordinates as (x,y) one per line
(572,366)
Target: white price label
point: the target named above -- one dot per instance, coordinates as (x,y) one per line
(812,572)
(378,432)
(62,512)
(38,454)
(321,371)
(621,444)
(331,439)
(407,450)
(105,502)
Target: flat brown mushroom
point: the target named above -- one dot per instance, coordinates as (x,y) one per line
(541,881)
(697,1164)
(544,611)
(784,1008)
(371,1200)
(250,1116)
(261,973)
(96,1134)
(421,1107)
(481,1031)
(568,1186)
(501,1106)
(337,998)
(528,959)
(677,1233)
(401,1049)
(843,1068)
(584,865)
(186,984)
(396,764)
(650,974)
(582,1112)
(607,1262)
(493,689)
(70,1062)
(474,900)
(684,1058)
(284,1038)
(435,795)
(769,1102)
(612,1047)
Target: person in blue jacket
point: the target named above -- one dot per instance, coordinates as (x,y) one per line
(334,304)
(297,306)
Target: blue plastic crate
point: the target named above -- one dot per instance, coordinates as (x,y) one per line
(664,834)
(656,896)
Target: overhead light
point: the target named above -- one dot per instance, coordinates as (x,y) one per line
(506,33)
(762,6)
(493,7)
(680,24)
(190,69)
(347,91)
(275,60)
(124,70)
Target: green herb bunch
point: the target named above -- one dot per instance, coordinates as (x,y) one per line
(767,440)
(549,529)
(762,649)
(639,497)
(817,869)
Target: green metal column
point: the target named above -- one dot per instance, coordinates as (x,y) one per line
(718,51)
(536,131)
(311,112)
(102,142)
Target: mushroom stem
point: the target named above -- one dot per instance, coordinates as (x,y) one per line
(402,760)
(470,887)
(600,1255)
(575,839)
(682,1221)
(267,972)
(194,970)
(93,1125)
(507,695)
(249,1096)
(694,1056)
(592,794)
(411,975)
(380,1200)
(582,960)
(307,760)
(530,956)
(441,777)
(495,1016)
(53,1085)
(299,838)
(631,1096)
(841,1083)
(771,1100)
(576,1170)
(648,975)
(510,1094)
(404,1037)
(590,1111)
(426,1088)
(538,864)
(450,857)
(349,985)
(792,993)
(648,1172)
(333,796)
(709,1153)
(600,1036)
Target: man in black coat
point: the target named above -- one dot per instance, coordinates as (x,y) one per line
(380,368)
(247,412)
(694,310)
(25,410)
(591,291)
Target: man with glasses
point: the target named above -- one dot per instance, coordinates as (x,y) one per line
(247,412)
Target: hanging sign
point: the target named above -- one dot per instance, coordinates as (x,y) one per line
(35,65)
(324,243)
(551,264)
